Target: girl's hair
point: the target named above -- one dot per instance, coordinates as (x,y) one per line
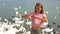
(39,4)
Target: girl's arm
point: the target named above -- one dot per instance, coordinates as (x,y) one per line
(44,20)
(26,16)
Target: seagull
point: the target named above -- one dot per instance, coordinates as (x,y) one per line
(14,30)
(15,8)
(19,7)
(58,26)
(59,14)
(45,23)
(54,23)
(49,30)
(11,31)
(48,25)
(57,32)
(28,23)
(28,32)
(1,29)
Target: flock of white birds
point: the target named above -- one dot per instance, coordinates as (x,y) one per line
(6,28)
(11,29)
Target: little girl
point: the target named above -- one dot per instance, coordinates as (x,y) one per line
(37,18)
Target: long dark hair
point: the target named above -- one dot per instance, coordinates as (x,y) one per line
(39,4)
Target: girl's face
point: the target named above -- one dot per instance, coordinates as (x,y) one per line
(38,9)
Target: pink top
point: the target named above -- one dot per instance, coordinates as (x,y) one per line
(37,23)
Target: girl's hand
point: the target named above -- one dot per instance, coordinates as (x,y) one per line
(25,16)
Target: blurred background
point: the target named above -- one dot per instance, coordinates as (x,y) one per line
(51,8)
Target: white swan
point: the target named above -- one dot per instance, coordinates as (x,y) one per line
(14,30)
(11,31)
(49,30)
